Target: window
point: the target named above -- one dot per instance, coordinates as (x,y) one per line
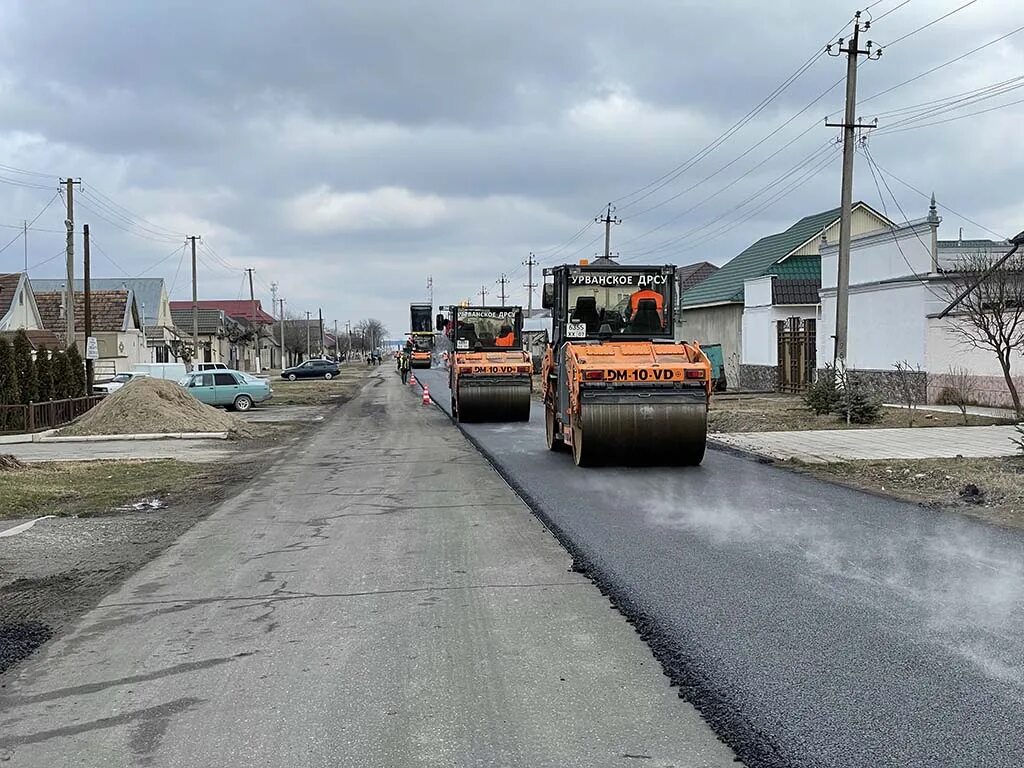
(224,380)
(627,302)
(486,329)
(204,380)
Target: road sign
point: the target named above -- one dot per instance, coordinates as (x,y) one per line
(92,349)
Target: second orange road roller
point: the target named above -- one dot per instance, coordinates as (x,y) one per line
(617,388)
(489,373)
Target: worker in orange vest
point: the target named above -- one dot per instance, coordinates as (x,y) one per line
(647,293)
(506,337)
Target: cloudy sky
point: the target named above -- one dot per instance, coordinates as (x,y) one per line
(348,149)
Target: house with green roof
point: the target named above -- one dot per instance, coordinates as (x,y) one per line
(782,273)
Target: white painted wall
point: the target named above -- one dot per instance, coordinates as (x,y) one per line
(760,331)
(886,323)
(22,312)
(946,349)
(758,291)
(877,256)
(861,221)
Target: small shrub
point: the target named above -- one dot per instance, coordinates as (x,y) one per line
(855,405)
(823,396)
(1019,441)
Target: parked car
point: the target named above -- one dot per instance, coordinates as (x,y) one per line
(169,371)
(114,384)
(311,369)
(228,389)
(212,367)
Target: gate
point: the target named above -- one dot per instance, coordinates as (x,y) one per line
(797,354)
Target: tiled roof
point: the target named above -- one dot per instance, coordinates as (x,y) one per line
(109,311)
(147,290)
(210,320)
(726,285)
(798,268)
(692,274)
(243,308)
(8,287)
(789,291)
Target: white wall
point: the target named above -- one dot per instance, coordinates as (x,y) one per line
(760,338)
(758,291)
(886,323)
(877,257)
(946,349)
(22,315)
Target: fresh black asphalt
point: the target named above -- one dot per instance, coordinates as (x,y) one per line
(811,624)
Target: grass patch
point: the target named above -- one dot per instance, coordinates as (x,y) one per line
(96,487)
(992,489)
(784,413)
(318,391)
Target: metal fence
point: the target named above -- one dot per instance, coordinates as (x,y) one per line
(38,416)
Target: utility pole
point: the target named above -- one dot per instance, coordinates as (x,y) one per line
(337,343)
(256,336)
(608,220)
(25,239)
(430,288)
(530,263)
(849,125)
(320,313)
(69,290)
(195,304)
(283,351)
(273,311)
(502,281)
(348,337)
(87,289)
(308,347)
(483,296)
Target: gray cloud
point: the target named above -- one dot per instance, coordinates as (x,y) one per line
(347,150)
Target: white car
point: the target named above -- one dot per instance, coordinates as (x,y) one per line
(106,387)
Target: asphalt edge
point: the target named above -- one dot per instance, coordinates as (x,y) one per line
(754,748)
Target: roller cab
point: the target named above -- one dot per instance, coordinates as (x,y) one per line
(617,388)
(421,335)
(489,373)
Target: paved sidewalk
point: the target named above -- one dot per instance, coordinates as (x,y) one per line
(834,445)
(972,410)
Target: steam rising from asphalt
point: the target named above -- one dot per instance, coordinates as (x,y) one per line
(961,580)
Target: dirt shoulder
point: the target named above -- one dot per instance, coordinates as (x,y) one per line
(319,391)
(786,413)
(991,489)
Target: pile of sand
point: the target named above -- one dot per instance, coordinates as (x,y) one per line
(146,405)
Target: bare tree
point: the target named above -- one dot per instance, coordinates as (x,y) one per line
(908,383)
(369,334)
(959,390)
(991,317)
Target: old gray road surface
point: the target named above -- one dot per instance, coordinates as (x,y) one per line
(381,598)
(813,625)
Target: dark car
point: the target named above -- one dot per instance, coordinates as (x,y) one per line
(311,369)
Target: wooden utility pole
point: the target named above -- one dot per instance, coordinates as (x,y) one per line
(608,220)
(502,281)
(530,263)
(87,290)
(849,125)
(195,304)
(69,290)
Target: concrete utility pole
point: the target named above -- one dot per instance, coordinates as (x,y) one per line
(283,351)
(530,263)
(849,126)
(608,220)
(256,337)
(502,281)
(308,347)
(273,311)
(483,296)
(337,343)
(430,289)
(69,289)
(320,314)
(195,304)
(25,243)
(87,289)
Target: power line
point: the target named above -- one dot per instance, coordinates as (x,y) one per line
(174,282)
(107,256)
(941,66)
(891,10)
(58,255)
(926,196)
(128,221)
(888,130)
(161,261)
(118,225)
(967,96)
(93,191)
(930,23)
